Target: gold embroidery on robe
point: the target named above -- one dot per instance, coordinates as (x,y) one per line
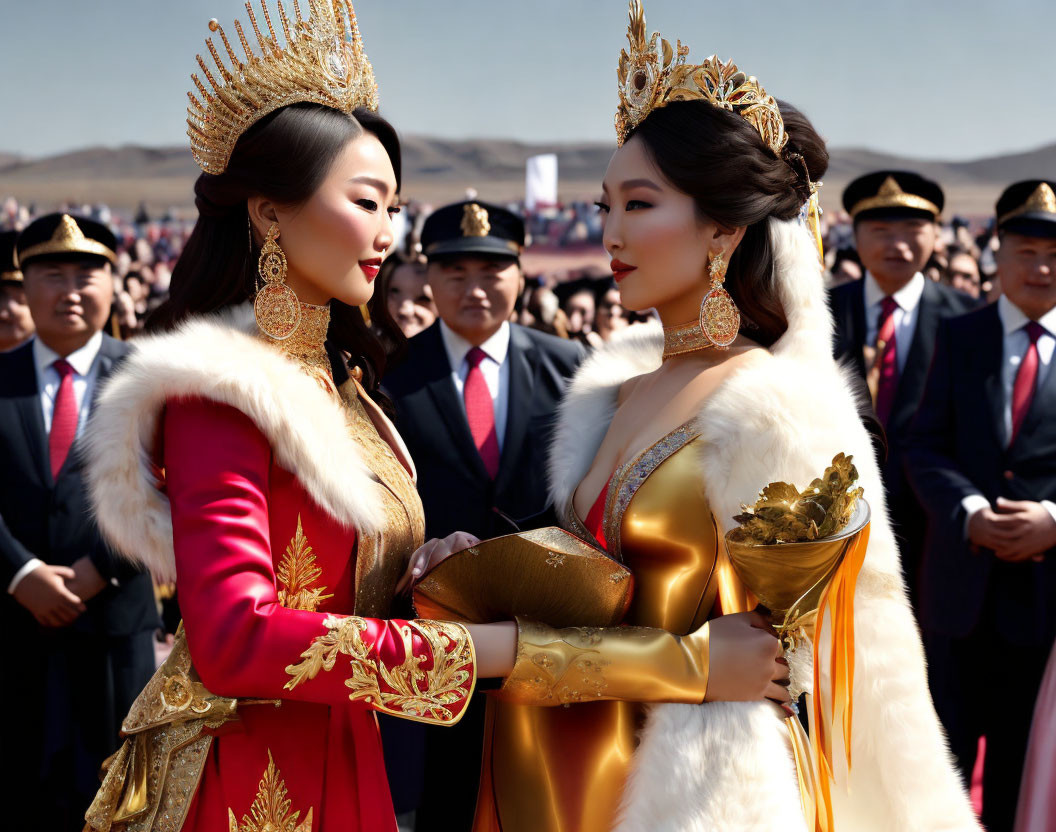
(297,573)
(397,690)
(270,811)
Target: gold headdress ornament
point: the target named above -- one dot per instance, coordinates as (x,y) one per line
(323,62)
(1042,201)
(651,77)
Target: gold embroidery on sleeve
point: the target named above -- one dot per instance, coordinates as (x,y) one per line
(270,811)
(405,690)
(297,572)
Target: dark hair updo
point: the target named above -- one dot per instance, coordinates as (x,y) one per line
(735,180)
(285,157)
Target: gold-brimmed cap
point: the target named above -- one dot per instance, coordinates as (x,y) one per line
(9,271)
(893,194)
(1028,208)
(58,235)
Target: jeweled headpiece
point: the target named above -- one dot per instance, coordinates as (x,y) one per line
(652,76)
(323,62)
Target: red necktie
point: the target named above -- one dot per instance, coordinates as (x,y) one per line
(1026,379)
(480,412)
(887,359)
(63,418)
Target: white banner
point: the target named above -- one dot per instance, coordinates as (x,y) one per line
(540,181)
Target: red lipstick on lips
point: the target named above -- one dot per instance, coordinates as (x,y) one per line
(370,268)
(620,270)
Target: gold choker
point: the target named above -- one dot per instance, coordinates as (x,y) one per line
(685,338)
(307,344)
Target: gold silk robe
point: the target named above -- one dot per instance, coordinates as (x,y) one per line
(563,768)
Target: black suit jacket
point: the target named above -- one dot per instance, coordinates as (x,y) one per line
(455,488)
(51,519)
(957,448)
(937,303)
(458,495)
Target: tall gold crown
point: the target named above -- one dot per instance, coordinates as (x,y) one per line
(323,62)
(653,76)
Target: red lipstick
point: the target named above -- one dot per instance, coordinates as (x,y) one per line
(370,268)
(620,270)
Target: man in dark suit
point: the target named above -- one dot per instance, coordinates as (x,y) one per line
(16,324)
(885,323)
(982,458)
(476,400)
(76,625)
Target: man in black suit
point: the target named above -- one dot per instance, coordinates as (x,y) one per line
(982,458)
(476,400)
(885,323)
(76,625)
(16,324)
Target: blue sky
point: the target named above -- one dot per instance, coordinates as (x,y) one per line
(944,79)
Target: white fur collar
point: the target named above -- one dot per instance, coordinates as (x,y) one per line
(218,358)
(590,402)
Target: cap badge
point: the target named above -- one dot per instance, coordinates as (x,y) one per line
(1043,199)
(475,221)
(68,234)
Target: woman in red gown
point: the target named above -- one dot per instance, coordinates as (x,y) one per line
(240,452)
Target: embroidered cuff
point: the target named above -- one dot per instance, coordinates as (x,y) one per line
(432,683)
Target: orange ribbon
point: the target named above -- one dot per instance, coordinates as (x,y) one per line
(839,599)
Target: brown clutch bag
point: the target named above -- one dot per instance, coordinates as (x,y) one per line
(547,575)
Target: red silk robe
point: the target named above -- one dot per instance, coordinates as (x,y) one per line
(267,581)
(239,521)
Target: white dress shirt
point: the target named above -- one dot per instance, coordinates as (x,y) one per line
(1015,346)
(494,366)
(908,300)
(84,377)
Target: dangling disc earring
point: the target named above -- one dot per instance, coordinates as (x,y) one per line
(275,307)
(720,321)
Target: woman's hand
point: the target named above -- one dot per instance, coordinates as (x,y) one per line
(745,662)
(430,554)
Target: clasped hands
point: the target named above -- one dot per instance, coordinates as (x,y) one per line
(56,595)
(745,655)
(1016,530)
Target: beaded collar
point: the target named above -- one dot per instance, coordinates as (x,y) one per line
(307,344)
(685,338)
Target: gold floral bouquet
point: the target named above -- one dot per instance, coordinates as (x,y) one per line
(799,553)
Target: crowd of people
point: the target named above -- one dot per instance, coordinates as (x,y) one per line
(581,303)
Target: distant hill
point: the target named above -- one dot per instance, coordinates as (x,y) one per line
(437,170)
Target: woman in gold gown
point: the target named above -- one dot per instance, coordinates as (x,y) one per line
(661,438)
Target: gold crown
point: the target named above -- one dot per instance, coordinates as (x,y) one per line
(323,63)
(652,77)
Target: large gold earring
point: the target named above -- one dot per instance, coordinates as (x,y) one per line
(720,320)
(276,308)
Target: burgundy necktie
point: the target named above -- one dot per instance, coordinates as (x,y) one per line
(1026,379)
(480,412)
(887,359)
(63,418)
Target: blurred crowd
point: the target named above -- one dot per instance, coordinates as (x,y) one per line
(581,303)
